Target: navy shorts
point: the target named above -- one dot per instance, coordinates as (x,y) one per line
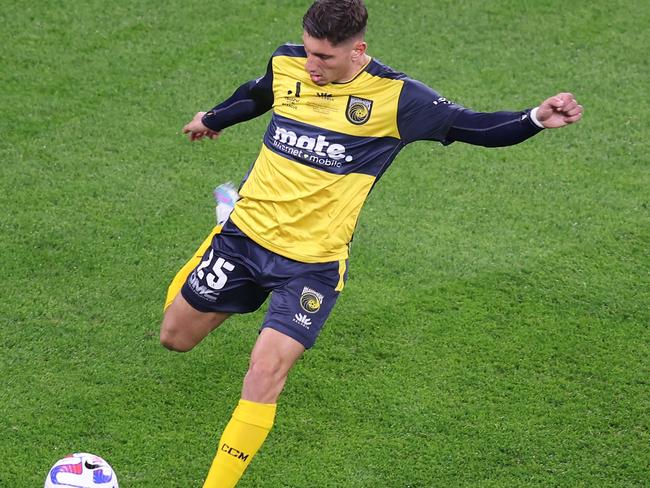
(236,275)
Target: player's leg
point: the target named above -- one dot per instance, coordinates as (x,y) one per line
(183,327)
(296,315)
(273,356)
(211,286)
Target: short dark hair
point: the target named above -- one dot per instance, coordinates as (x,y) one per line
(336,20)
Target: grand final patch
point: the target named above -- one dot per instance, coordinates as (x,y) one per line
(358,110)
(310,300)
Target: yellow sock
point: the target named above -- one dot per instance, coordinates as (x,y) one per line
(241,439)
(179,280)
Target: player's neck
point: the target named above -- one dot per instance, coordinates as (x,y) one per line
(356,68)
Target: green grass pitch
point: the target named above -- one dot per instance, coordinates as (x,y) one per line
(494,329)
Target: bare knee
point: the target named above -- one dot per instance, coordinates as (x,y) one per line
(265,380)
(273,356)
(171,337)
(266,369)
(183,327)
(173,344)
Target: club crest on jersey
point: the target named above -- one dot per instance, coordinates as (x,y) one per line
(358,110)
(310,300)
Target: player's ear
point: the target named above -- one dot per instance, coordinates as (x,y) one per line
(359,50)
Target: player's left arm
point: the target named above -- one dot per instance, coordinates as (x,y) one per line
(425,115)
(498,129)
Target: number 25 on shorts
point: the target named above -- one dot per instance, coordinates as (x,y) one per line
(216,278)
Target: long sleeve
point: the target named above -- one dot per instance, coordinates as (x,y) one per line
(250,100)
(425,115)
(492,129)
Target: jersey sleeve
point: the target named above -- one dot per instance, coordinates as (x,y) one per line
(250,100)
(424,115)
(493,129)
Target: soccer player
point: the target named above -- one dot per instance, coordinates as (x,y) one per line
(339,119)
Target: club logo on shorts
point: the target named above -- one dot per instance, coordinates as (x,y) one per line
(310,300)
(358,110)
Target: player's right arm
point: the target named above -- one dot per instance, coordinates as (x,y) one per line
(250,100)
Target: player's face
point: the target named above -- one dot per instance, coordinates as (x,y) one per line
(327,63)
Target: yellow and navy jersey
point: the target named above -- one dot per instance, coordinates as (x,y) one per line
(324,150)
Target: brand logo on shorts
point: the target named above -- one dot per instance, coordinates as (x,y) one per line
(201,290)
(310,300)
(358,110)
(302,319)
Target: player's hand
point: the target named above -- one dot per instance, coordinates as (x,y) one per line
(196,130)
(558,111)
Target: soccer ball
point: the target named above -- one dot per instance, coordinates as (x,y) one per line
(81,470)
